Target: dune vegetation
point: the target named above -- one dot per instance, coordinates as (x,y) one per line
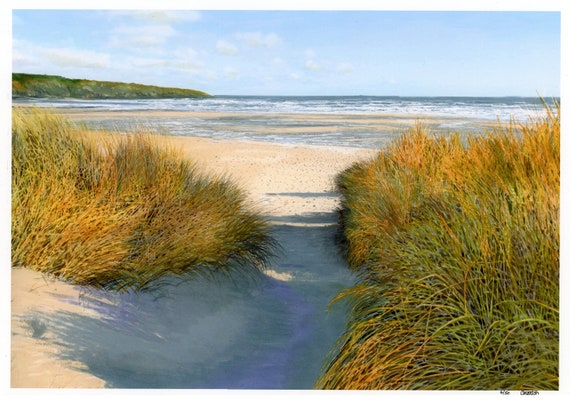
(49,86)
(455,246)
(121,211)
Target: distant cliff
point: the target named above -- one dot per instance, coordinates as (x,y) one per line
(46,86)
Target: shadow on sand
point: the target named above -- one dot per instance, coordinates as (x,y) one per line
(264,334)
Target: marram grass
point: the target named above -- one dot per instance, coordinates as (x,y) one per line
(121,211)
(456,248)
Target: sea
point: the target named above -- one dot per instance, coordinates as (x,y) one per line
(356,121)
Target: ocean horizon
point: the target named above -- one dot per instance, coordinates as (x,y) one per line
(341,121)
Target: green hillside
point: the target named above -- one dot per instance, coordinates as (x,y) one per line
(46,86)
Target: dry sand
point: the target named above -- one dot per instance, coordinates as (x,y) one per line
(34,362)
(284,181)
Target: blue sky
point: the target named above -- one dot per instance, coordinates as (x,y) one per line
(298,52)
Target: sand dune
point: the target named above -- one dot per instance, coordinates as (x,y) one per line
(284,181)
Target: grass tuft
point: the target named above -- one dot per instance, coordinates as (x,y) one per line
(120,212)
(455,244)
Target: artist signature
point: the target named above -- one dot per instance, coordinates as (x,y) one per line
(521,392)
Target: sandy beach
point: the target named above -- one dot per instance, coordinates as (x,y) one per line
(284,181)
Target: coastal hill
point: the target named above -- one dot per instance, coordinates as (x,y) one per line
(47,86)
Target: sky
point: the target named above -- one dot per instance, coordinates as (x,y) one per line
(298,52)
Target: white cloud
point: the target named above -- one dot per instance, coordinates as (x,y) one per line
(20,59)
(65,57)
(27,56)
(159,63)
(259,40)
(226,48)
(184,52)
(148,62)
(345,68)
(160,16)
(190,66)
(141,36)
(210,75)
(310,54)
(152,30)
(312,65)
(231,73)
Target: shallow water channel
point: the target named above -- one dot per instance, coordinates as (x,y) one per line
(263,334)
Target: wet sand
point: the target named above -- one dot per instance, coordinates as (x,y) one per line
(284,181)
(370,129)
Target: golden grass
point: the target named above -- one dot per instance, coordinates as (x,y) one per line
(122,211)
(455,244)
